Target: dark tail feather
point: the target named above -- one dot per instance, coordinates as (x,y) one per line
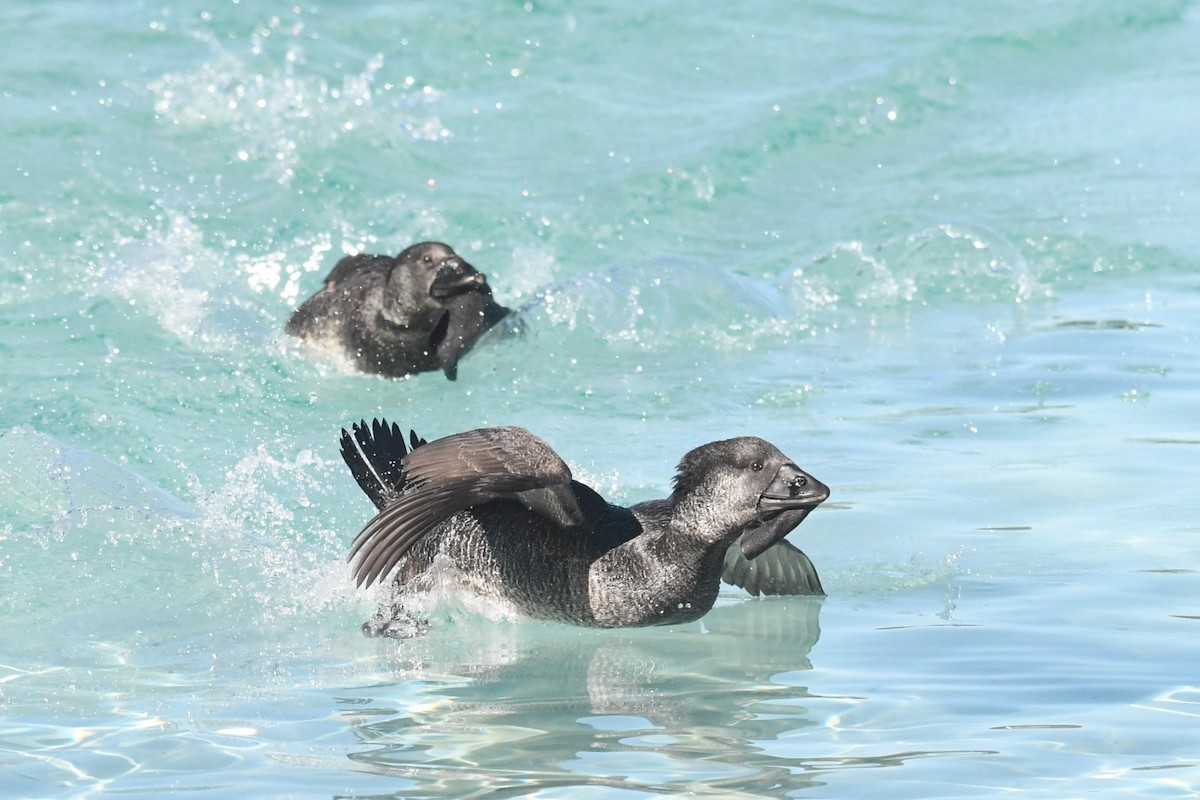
(366,479)
(374,455)
(385,449)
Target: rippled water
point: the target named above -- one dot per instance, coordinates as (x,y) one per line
(945,257)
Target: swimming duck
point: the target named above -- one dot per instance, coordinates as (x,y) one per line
(420,311)
(501,507)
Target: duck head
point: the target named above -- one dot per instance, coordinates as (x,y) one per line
(744,487)
(787,500)
(424,276)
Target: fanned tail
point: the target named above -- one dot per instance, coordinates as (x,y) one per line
(374,455)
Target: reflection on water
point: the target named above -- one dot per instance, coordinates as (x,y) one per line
(687,704)
(721,708)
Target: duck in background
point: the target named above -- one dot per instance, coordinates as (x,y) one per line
(420,311)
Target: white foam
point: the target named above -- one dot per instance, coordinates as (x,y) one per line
(167,273)
(949,261)
(279,111)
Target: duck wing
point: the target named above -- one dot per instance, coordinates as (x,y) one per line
(436,480)
(782,568)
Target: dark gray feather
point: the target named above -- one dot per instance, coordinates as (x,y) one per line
(439,479)
(782,569)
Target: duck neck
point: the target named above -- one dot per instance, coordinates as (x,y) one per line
(407,304)
(703,553)
(708,526)
(660,578)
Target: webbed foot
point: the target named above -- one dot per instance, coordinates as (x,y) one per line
(399,625)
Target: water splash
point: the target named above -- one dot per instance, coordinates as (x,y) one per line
(944,263)
(263,540)
(278,111)
(669,303)
(173,271)
(168,273)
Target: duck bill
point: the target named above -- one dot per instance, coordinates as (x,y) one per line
(456,277)
(793,493)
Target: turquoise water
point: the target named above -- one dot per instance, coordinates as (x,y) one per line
(946,257)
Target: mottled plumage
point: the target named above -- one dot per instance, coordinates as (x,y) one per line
(419,311)
(502,507)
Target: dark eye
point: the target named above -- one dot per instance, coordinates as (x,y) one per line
(756,466)
(428,259)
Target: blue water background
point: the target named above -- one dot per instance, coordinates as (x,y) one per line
(946,256)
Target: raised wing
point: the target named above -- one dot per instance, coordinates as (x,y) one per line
(438,479)
(780,569)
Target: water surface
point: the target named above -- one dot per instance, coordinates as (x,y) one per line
(944,257)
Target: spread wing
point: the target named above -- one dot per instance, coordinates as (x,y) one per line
(781,569)
(436,480)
